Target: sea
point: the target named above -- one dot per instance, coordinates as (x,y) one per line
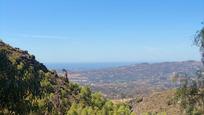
(86,66)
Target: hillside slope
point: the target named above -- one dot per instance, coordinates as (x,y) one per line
(28,87)
(159,102)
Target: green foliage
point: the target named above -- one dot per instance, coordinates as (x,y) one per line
(191,94)
(97,100)
(19,84)
(199,38)
(27,87)
(107,109)
(95,104)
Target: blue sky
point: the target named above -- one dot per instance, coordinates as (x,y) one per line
(103,30)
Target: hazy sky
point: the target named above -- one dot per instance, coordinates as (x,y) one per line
(103,30)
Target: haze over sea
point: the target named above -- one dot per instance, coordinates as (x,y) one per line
(86,66)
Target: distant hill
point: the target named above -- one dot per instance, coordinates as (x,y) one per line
(135,79)
(142,71)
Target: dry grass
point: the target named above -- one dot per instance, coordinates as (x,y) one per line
(119,101)
(159,102)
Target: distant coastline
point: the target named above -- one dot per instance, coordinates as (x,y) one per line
(86,66)
(96,66)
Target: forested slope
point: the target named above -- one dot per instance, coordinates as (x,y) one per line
(28,87)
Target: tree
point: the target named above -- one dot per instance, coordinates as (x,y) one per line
(191,93)
(85,96)
(19,84)
(84,111)
(199,41)
(73,109)
(65,74)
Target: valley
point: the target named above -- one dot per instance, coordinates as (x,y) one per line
(134,80)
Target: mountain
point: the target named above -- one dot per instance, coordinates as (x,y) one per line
(137,79)
(28,87)
(142,71)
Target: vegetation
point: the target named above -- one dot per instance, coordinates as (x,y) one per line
(28,87)
(191,93)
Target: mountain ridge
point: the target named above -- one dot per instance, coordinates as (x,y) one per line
(146,76)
